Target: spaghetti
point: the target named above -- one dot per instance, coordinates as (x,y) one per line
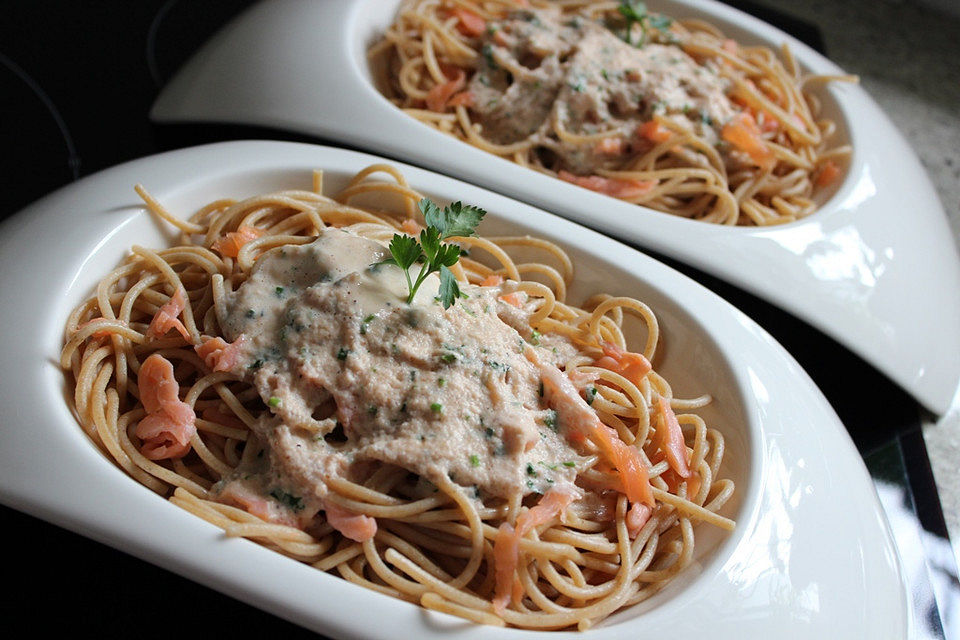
(668,114)
(598,481)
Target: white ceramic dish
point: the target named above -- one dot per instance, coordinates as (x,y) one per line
(811,556)
(875,268)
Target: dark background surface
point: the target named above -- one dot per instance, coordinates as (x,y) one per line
(77,80)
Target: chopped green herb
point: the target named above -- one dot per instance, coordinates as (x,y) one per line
(535,337)
(569,463)
(365,322)
(441,382)
(436,407)
(551,419)
(256,365)
(487,52)
(343,353)
(372,410)
(449,357)
(250,313)
(474,460)
(531,471)
(279,292)
(591,395)
(284,498)
(274,401)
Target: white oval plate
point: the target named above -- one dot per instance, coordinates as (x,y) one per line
(811,556)
(876,268)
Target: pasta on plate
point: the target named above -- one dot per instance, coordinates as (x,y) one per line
(665,113)
(381,393)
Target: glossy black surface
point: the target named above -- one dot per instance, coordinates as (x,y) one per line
(76,83)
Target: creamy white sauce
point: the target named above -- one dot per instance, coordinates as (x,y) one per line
(579,72)
(354,377)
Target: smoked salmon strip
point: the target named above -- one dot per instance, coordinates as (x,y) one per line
(170,423)
(166,318)
(580,419)
(220,355)
(615,187)
(744,134)
(469,23)
(506,546)
(438,96)
(632,366)
(229,246)
(669,439)
(355,526)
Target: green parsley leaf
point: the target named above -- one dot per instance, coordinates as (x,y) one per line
(454,220)
(551,420)
(449,287)
(430,242)
(447,255)
(635,12)
(405,251)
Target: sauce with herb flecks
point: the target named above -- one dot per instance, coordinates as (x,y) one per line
(540,66)
(354,376)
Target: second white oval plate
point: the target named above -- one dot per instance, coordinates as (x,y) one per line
(875,268)
(811,555)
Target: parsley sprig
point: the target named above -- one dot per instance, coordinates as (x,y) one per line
(454,220)
(635,12)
